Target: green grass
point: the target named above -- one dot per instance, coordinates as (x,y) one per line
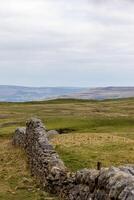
(97,131)
(84,150)
(15,180)
(80,115)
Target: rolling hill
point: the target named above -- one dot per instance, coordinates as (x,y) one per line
(23,94)
(101,93)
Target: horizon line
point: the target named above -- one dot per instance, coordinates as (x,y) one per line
(27,86)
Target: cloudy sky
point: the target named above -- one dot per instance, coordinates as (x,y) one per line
(67,42)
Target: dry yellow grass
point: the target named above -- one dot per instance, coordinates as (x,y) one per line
(15,180)
(80,150)
(78,139)
(97,131)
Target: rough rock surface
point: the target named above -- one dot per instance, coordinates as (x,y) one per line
(19,137)
(51,133)
(87,184)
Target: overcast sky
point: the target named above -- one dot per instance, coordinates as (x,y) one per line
(67,42)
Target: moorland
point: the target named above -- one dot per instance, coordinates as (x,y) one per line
(90,131)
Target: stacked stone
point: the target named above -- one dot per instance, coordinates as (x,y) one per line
(19,137)
(86,184)
(107,184)
(44,162)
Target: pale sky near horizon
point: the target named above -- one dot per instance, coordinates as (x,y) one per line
(67,43)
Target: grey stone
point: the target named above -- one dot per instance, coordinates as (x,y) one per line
(52,133)
(86,184)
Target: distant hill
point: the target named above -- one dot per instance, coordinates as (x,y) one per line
(101,93)
(22,94)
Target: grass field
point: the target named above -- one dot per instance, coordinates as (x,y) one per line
(15,180)
(95,131)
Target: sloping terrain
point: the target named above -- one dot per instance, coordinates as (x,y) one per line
(103,93)
(94,127)
(94,131)
(22,94)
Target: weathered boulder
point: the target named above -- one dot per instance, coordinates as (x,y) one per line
(19,138)
(52,133)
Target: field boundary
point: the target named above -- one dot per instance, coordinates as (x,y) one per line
(86,184)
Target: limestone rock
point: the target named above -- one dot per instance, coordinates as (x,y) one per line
(52,133)
(87,184)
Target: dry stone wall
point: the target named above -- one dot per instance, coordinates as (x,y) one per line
(86,184)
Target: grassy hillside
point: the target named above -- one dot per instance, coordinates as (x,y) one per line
(111,116)
(95,131)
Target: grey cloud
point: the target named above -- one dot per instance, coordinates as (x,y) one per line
(66,36)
